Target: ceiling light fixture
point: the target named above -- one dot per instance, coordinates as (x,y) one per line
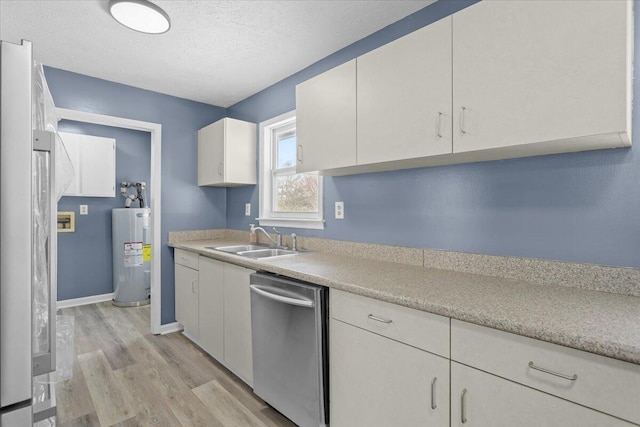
(140,15)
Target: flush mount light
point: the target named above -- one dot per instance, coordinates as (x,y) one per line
(140,15)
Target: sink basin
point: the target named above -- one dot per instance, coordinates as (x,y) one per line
(266,253)
(236,249)
(253,251)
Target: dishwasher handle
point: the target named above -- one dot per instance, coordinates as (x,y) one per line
(262,290)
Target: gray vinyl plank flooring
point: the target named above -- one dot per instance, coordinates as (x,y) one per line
(125,376)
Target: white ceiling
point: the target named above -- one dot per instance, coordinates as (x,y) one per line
(217,52)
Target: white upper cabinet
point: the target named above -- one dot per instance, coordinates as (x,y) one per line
(404,97)
(497,80)
(554,75)
(326,120)
(227,153)
(94,165)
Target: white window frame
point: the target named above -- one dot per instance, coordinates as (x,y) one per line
(267,216)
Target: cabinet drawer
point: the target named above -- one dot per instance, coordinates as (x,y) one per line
(186,258)
(420,329)
(601,383)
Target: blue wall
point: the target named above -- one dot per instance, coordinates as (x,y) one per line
(185,206)
(582,207)
(84,256)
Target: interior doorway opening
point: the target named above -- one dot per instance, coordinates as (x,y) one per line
(155,131)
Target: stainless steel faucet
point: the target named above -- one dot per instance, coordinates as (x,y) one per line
(277,242)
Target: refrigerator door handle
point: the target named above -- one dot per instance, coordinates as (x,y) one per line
(45,362)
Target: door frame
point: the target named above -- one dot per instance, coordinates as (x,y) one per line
(155,129)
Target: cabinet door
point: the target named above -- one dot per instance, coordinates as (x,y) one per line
(495,402)
(94,163)
(239,152)
(404,97)
(186,287)
(210,307)
(532,71)
(211,154)
(376,381)
(326,120)
(237,322)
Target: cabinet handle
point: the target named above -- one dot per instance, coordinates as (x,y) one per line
(550,372)
(463,406)
(462,130)
(433,393)
(220,168)
(439,125)
(300,153)
(379,319)
(194,286)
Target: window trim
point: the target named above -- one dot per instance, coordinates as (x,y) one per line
(285,219)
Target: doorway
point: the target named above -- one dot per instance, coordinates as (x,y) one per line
(155,130)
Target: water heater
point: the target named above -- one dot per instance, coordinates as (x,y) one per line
(131,230)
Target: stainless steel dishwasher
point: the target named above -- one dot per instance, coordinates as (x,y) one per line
(290,357)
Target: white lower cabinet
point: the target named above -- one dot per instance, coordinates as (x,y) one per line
(377,381)
(384,367)
(213,304)
(390,366)
(238,355)
(479,399)
(211,307)
(186,280)
(604,384)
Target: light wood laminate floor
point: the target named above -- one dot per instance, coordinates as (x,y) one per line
(124,376)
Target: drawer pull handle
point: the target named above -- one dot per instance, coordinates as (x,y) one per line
(433,393)
(550,372)
(463,406)
(379,319)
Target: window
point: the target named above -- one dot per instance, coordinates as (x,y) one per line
(287,198)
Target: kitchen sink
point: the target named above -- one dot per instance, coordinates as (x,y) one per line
(253,251)
(267,253)
(237,248)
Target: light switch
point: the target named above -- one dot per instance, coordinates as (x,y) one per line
(247,209)
(84,209)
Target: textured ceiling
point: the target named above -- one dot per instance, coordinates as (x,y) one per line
(217,52)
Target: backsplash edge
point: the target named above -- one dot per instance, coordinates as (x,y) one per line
(612,279)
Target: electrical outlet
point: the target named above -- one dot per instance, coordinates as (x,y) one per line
(84,209)
(247,209)
(339,210)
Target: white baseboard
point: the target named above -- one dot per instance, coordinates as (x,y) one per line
(84,301)
(170,327)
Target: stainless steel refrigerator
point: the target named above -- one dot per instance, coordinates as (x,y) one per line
(27,245)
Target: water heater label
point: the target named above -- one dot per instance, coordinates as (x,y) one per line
(146,253)
(132,254)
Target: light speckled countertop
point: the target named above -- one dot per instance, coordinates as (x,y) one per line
(598,322)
